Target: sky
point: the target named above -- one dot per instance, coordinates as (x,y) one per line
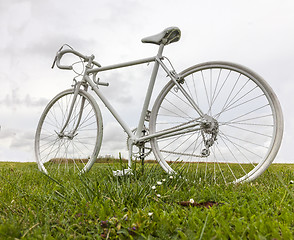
(256,33)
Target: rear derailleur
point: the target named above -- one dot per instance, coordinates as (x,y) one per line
(209,131)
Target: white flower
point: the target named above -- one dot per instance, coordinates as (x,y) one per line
(291,182)
(171,177)
(163,180)
(192,200)
(158,195)
(153,187)
(159,183)
(150,214)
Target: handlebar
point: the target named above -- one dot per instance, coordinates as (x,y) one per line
(68,67)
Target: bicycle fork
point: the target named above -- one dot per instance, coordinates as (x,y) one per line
(73,133)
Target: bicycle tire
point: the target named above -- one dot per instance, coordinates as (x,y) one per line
(57,154)
(247,120)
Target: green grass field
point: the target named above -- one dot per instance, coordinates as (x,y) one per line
(146,205)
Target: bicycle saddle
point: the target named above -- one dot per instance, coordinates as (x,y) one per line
(167,36)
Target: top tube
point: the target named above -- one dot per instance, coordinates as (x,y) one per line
(121,65)
(130,63)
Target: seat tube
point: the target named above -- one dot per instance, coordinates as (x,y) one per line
(149,92)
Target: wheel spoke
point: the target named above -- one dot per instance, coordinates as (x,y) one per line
(68,150)
(241,125)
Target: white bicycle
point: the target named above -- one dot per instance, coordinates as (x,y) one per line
(216,121)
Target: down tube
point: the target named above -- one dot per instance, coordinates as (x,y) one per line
(110,108)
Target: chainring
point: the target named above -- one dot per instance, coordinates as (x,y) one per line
(139,154)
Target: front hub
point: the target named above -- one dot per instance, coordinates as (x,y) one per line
(69,135)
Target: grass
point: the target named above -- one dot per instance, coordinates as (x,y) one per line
(100,206)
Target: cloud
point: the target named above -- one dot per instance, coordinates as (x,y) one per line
(7,133)
(24,141)
(16,145)
(114,140)
(259,37)
(118,90)
(17,139)
(113,133)
(15,101)
(39,28)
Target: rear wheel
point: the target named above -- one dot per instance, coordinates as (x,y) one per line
(237,138)
(75,147)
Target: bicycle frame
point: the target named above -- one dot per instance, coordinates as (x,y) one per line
(158,62)
(138,137)
(234,141)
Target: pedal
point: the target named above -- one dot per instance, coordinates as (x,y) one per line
(123,172)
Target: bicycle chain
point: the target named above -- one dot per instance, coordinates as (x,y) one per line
(183,154)
(204,153)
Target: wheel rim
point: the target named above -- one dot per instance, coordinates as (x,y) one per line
(246,111)
(78,146)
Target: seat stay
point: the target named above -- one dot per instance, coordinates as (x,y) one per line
(176,79)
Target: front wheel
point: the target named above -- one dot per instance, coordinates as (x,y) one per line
(237,137)
(71,147)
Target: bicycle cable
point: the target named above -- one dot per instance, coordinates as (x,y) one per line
(81,73)
(170,63)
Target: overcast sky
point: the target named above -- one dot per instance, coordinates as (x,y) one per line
(256,33)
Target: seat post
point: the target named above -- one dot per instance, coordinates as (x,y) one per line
(160,50)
